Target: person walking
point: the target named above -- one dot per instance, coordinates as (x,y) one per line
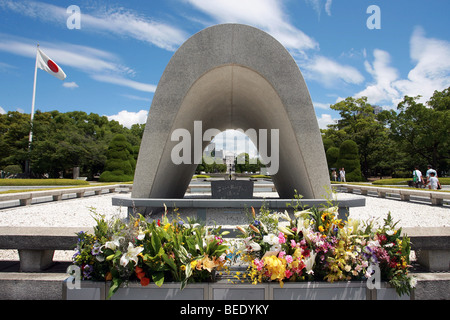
(334,175)
(434,182)
(417,177)
(342,174)
(429,171)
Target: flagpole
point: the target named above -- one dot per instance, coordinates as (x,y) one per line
(30,139)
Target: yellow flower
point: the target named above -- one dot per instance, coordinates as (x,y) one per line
(321,228)
(183,267)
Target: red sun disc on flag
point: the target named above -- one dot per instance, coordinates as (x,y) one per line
(52,66)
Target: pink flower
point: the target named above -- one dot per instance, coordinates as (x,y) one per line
(289,259)
(281,254)
(288,274)
(259,264)
(293,244)
(281,238)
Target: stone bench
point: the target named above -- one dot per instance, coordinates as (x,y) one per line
(437,198)
(25,198)
(432,246)
(36,245)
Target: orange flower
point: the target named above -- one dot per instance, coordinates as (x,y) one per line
(108,276)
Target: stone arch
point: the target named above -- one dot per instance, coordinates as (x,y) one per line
(232,76)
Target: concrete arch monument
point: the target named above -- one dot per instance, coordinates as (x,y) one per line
(232,76)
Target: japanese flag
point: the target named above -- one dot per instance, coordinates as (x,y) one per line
(46,64)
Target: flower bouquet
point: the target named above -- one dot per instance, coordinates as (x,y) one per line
(157,251)
(315,245)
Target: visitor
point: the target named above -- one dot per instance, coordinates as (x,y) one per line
(342,175)
(429,171)
(417,177)
(434,182)
(334,175)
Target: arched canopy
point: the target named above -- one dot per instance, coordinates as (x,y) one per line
(232,76)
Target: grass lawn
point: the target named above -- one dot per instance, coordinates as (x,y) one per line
(404,181)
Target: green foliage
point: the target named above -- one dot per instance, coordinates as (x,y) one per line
(421,130)
(61,141)
(394,140)
(120,163)
(13,169)
(349,159)
(243,163)
(42,182)
(332,155)
(163,251)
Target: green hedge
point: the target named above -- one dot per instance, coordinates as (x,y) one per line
(42,182)
(201,176)
(261,176)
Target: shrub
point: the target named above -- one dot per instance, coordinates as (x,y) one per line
(349,159)
(332,155)
(120,163)
(13,169)
(42,182)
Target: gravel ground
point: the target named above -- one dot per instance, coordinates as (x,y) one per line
(79,213)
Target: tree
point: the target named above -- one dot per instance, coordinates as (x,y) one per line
(349,159)
(360,124)
(120,163)
(14,135)
(421,131)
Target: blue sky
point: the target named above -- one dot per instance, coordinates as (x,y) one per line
(115,60)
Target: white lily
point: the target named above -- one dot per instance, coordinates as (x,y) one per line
(285,230)
(131,255)
(309,263)
(114,243)
(264,227)
(254,246)
(301,225)
(284,215)
(302,214)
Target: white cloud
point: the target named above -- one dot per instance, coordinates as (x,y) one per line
(116,21)
(329,72)
(431,72)
(319,105)
(328,7)
(70,85)
(432,69)
(100,65)
(2,111)
(121,81)
(382,89)
(325,120)
(133,97)
(317,5)
(127,118)
(267,15)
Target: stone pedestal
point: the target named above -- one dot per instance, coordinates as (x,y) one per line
(35,260)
